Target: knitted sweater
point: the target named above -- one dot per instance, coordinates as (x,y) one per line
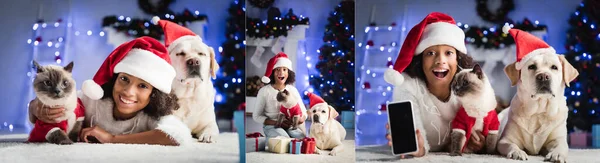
(100,113)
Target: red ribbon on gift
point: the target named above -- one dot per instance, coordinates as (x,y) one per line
(308,145)
(255,135)
(294,141)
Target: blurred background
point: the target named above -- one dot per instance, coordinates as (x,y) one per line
(318,36)
(570,27)
(85,32)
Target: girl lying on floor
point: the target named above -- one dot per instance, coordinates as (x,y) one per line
(129,100)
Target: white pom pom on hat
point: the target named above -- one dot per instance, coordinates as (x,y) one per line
(155,20)
(92,90)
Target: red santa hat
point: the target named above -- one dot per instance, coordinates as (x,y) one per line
(176,35)
(528,46)
(279,60)
(315,100)
(145,58)
(436,29)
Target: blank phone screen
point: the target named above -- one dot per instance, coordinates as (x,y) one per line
(402,127)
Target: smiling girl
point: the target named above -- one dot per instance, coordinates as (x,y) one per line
(434,50)
(129,99)
(279,76)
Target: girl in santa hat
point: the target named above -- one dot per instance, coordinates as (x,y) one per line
(279,76)
(129,100)
(433,52)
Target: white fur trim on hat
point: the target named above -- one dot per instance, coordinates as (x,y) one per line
(92,90)
(149,67)
(284,62)
(175,129)
(442,33)
(155,20)
(265,79)
(532,54)
(393,77)
(189,40)
(322,104)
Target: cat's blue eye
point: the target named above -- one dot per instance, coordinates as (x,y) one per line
(66,83)
(47,83)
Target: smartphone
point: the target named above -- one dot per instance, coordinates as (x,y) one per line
(402,127)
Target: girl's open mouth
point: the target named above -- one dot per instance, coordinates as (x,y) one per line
(440,73)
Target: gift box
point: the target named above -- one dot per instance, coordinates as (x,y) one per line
(348,119)
(596,135)
(295,146)
(255,142)
(578,139)
(308,145)
(279,144)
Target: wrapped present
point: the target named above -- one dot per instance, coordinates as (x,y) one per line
(295,146)
(578,139)
(308,145)
(596,135)
(348,119)
(279,144)
(255,142)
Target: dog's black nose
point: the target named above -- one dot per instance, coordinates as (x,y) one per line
(542,77)
(316,118)
(193,62)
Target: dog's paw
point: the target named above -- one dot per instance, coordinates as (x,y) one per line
(333,153)
(207,138)
(318,151)
(517,154)
(556,157)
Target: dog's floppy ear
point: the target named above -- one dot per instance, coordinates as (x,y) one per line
(332,112)
(513,74)
(214,66)
(569,72)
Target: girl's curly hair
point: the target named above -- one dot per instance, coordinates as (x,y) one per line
(160,104)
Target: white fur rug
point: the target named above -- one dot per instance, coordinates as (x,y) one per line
(225,150)
(384,154)
(346,156)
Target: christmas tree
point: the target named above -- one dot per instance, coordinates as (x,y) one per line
(230,82)
(335,81)
(583,52)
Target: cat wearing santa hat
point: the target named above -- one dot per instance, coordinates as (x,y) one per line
(195,65)
(477,113)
